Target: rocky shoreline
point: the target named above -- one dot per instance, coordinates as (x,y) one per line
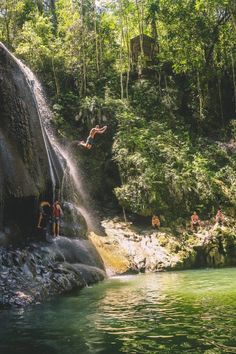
(40,270)
(31,274)
(128,248)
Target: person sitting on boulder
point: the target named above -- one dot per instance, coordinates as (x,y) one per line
(155,222)
(45,216)
(90,140)
(57,214)
(220,217)
(195,221)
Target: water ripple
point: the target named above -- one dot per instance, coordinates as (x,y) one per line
(184,312)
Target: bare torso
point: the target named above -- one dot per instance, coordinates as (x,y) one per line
(194,218)
(93,132)
(89,142)
(219,215)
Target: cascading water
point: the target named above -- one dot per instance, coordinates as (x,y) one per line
(45,117)
(63,156)
(60,163)
(80,198)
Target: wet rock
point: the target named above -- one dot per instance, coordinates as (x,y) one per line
(73,222)
(29,275)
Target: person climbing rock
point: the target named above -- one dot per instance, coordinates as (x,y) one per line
(195,221)
(155,222)
(57,214)
(220,217)
(45,217)
(90,140)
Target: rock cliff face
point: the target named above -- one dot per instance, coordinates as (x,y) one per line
(39,270)
(24,160)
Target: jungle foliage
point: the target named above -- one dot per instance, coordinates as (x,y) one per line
(171,112)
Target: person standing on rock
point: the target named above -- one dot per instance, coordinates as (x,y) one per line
(90,140)
(220,217)
(45,217)
(195,221)
(56,214)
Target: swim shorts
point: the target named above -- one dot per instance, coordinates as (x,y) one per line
(56,220)
(90,140)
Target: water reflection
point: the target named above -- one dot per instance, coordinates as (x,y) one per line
(184,312)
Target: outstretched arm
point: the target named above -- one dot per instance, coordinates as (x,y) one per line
(101,130)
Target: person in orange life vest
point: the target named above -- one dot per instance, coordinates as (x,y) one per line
(56,214)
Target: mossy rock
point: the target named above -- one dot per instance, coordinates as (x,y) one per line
(163,239)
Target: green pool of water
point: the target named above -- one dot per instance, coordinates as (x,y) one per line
(177,312)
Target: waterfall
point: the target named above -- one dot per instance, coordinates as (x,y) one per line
(48,136)
(63,154)
(59,158)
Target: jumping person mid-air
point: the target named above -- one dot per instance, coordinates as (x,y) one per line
(90,140)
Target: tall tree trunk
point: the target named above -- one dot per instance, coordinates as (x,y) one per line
(83,87)
(200,96)
(124,214)
(129,56)
(96,35)
(220,101)
(232,10)
(39,4)
(127,82)
(233,72)
(7,24)
(159,83)
(121,83)
(167,90)
(121,51)
(54,16)
(56,81)
(122,182)
(7,32)
(154,29)
(121,74)
(140,24)
(100,52)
